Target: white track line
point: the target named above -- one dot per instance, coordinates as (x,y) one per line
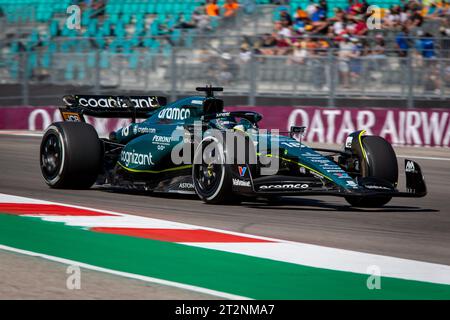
(305,254)
(127,275)
(338,259)
(113,222)
(424,158)
(22,133)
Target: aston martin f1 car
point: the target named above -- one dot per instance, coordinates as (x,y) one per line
(193,146)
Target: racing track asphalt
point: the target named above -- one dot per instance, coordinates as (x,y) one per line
(416,229)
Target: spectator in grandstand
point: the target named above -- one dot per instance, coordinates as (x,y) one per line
(376,57)
(96,5)
(354,7)
(415,19)
(395,17)
(302,22)
(199,20)
(380,46)
(360,28)
(323,5)
(318,69)
(231,7)
(364,6)
(300,13)
(402,42)
(267,45)
(345,52)
(425,46)
(355,63)
(338,22)
(299,52)
(436,10)
(245,53)
(432,83)
(320,27)
(430,9)
(183,24)
(228,69)
(447,76)
(212,8)
(299,25)
(348,26)
(285,18)
(445,42)
(282,34)
(282,29)
(311,8)
(318,14)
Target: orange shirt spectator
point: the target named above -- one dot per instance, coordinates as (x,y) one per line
(301,14)
(231,6)
(212,9)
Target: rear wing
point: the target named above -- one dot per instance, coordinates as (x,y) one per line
(76,106)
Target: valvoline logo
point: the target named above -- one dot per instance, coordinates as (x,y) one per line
(242,170)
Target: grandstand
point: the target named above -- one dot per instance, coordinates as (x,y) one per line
(332,5)
(148,45)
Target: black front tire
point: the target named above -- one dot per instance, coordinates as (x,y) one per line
(382,164)
(212,182)
(70,155)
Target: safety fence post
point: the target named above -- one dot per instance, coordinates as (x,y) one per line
(24,77)
(173,74)
(252,79)
(331,78)
(410,99)
(97,72)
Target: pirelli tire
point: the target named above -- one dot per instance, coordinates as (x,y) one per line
(70,155)
(382,164)
(212,181)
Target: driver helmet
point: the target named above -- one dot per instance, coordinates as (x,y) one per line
(224,123)
(231,123)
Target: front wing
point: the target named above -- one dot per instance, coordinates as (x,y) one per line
(298,186)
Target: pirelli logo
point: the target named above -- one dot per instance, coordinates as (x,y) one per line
(410,167)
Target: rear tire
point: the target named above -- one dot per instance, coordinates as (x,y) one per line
(70,155)
(382,164)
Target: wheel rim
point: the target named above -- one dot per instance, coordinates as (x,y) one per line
(207,177)
(51,156)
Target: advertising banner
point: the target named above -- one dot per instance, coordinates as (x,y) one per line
(415,127)
(39,118)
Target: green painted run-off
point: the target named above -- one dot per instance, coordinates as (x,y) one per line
(226,272)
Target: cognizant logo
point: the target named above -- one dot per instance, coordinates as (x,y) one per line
(128,158)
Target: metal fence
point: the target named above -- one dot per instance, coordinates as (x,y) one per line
(176,63)
(178,72)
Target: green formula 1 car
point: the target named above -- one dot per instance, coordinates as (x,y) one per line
(193,146)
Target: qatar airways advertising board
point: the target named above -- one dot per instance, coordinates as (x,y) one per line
(412,127)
